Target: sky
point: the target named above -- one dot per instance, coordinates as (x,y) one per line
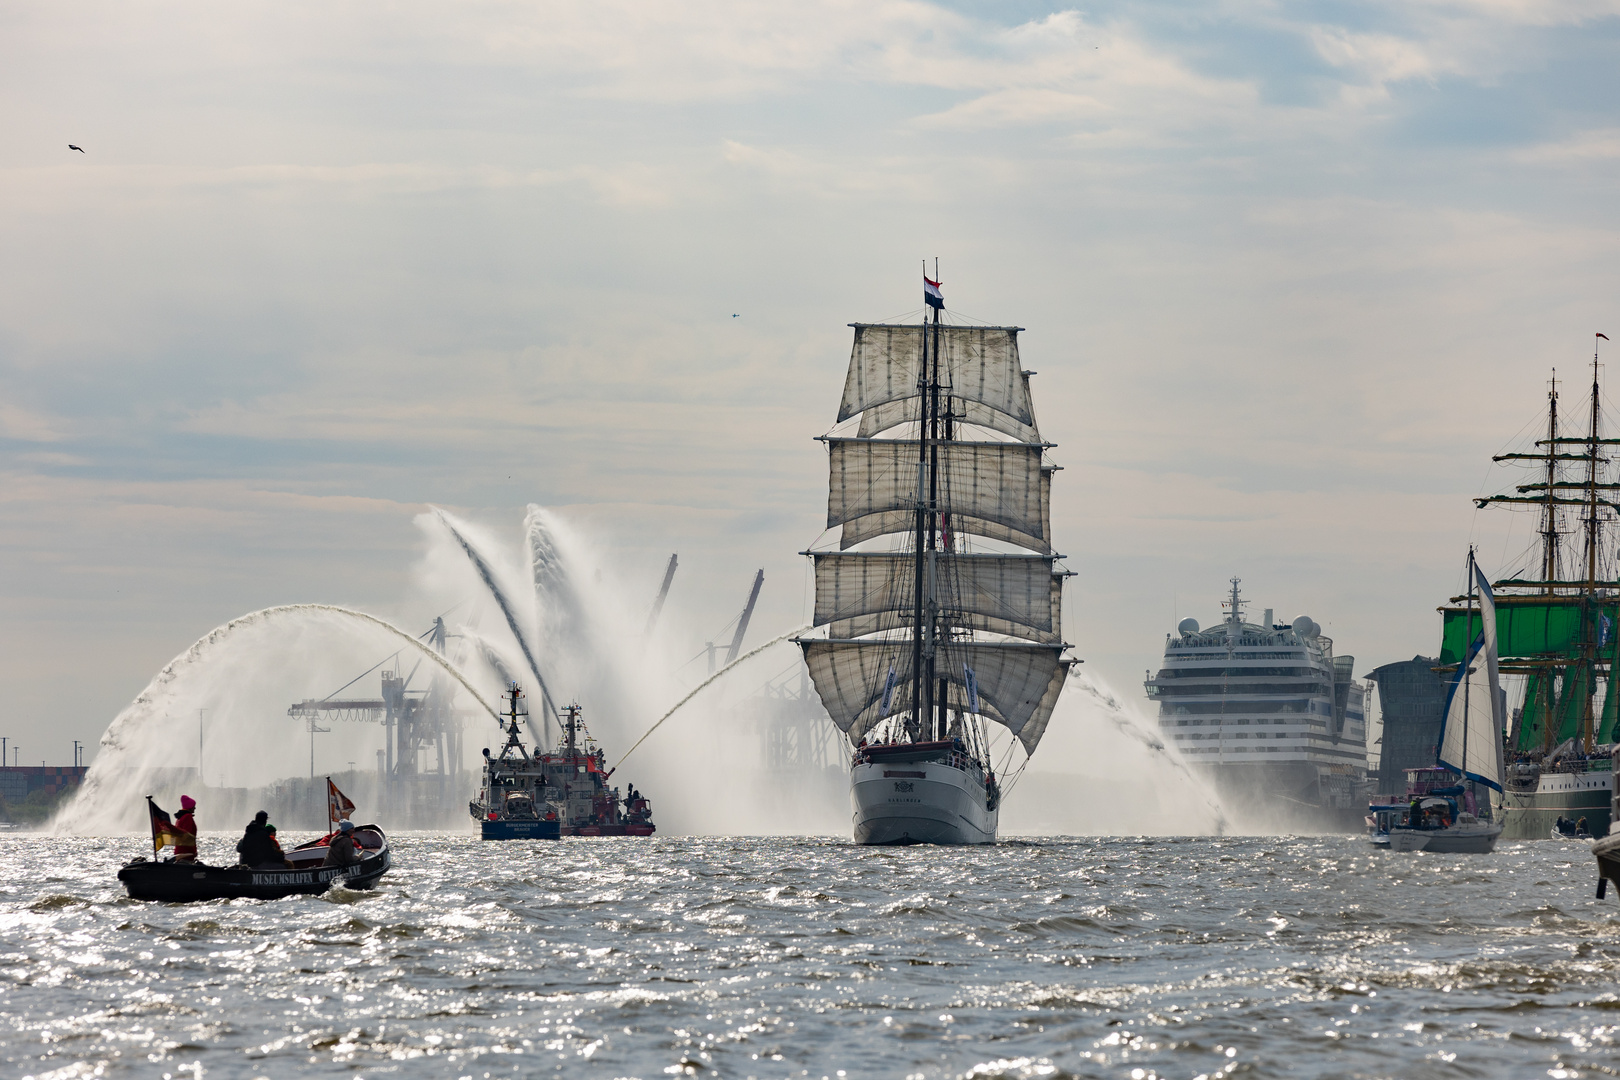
(1290,274)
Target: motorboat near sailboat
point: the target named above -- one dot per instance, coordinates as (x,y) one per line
(547,795)
(1470,742)
(942,602)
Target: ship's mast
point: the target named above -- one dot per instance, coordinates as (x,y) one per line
(925,608)
(917,709)
(1463,673)
(1549,513)
(1592,487)
(935,712)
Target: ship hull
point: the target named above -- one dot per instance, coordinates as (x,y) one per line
(919,802)
(520,830)
(1475,839)
(1531,815)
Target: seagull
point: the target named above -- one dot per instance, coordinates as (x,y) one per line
(80,149)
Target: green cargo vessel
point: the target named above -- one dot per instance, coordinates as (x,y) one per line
(1558,629)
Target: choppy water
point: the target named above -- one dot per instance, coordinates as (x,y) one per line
(791,957)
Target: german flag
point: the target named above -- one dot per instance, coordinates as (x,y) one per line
(164,834)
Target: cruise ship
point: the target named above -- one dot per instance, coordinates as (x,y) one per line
(1270,715)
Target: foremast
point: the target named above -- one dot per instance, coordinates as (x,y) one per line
(1558,631)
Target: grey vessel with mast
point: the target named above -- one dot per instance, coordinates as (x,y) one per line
(942,602)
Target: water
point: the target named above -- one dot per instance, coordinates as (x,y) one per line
(1209,956)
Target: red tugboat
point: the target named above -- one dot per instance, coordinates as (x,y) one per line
(550,795)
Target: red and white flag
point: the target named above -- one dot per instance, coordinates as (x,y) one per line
(338,805)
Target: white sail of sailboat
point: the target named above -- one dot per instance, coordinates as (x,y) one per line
(1470,742)
(1471,726)
(942,604)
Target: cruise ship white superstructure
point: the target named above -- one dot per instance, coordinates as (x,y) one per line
(1270,715)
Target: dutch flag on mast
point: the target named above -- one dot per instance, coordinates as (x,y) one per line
(931,294)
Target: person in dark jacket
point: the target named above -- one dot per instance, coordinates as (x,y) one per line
(275,858)
(252,848)
(343,851)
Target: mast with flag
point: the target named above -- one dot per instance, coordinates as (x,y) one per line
(164,834)
(338,805)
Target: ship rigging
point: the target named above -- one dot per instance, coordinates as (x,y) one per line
(1557,630)
(928,637)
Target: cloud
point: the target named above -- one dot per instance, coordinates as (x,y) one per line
(1290,274)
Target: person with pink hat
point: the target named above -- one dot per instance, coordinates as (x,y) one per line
(185,846)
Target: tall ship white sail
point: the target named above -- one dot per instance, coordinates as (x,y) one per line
(1270,715)
(942,600)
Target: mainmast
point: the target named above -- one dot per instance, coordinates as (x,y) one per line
(933,711)
(1563,665)
(981,631)
(1549,513)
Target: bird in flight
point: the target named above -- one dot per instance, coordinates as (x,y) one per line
(736,316)
(80,149)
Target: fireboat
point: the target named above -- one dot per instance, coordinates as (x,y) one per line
(548,795)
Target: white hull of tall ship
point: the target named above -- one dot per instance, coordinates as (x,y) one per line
(1463,838)
(920,802)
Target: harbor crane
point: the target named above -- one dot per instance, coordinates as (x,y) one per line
(747,613)
(412,720)
(663,592)
(742,624)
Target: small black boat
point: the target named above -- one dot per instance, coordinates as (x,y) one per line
(180,883)
(1607,853)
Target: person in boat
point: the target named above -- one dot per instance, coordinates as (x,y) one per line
(185,823)
(343,851)
(276,859)
(251,849)
(1580,827)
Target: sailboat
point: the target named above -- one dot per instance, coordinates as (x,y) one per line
(1470,743)
(942,602)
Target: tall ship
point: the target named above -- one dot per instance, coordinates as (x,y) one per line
(547,795)
(941,605)
(1556,619)
(1270,715)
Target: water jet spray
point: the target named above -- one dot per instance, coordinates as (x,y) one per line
(698,689)
(506,609)
(115,740)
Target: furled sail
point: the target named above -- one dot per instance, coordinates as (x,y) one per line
(861,593)
(1018,683)
(980,369)
(998,490)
